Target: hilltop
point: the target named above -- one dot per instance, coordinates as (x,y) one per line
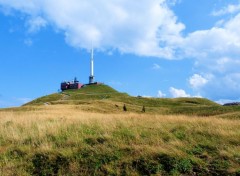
(105,99)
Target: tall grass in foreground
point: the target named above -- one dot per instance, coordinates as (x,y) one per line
(61,140)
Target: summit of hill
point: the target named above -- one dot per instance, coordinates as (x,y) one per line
(104,99)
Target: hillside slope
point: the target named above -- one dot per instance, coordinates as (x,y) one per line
(104,99)
(63,140)
(104,92)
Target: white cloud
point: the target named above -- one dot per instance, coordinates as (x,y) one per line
(222,87)
(156,67)
(230,9)
(178,92)
(215,42)
(137,27)
(216,52)
(161,94)
(146,28)
(36,23)
(197,81)
(174,2)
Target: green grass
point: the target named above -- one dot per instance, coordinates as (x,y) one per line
(104,92)
(104,99)
(61,140)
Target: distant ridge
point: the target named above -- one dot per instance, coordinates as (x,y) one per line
(232,104)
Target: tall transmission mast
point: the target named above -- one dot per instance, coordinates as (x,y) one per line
(91,77)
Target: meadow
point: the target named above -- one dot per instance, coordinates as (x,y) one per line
(69,139)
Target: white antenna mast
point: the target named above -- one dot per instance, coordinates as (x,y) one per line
(91,77)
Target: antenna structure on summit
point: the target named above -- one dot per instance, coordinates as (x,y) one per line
(91,77)
(65,85)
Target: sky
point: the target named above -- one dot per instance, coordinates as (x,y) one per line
(152,48)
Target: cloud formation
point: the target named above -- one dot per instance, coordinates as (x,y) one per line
(175,93)
(156,67)
(197,81)
(146,28)
(216,42)
(216,52)
(230,9)
(161,94)
(35,24)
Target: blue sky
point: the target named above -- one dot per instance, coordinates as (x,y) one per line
(157,48)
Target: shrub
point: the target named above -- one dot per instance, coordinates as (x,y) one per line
(16,153)
(168,162)
(42,164)
(237,173)
(172,164)
(184,166)
(146,166)
(94,160)
(94,141)
(219,167)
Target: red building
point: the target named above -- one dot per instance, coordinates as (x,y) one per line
(71,85)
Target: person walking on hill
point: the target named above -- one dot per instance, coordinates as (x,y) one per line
(124,108)
(143,109)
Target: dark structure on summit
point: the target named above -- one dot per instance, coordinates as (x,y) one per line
(71,85)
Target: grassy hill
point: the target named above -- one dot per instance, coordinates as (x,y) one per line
(86,132)
(104,92)
(104,99)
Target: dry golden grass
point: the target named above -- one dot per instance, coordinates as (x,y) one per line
(66,128)
(41,121)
